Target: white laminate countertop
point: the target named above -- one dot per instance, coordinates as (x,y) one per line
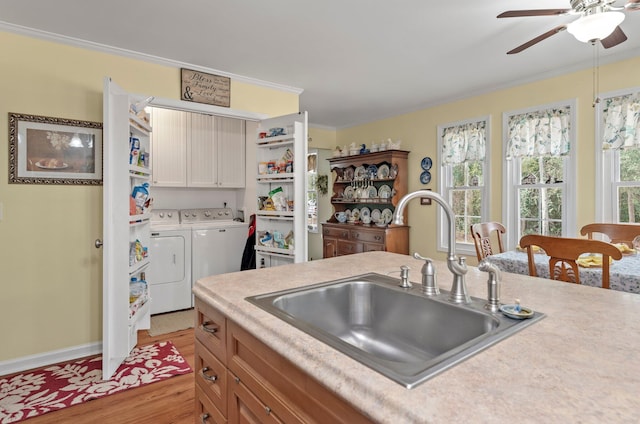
(581,363)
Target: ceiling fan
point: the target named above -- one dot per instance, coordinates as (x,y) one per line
(599,20)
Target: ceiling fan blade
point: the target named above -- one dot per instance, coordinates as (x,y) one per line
(538,12)
(632,5)
(616,37)
(538,39)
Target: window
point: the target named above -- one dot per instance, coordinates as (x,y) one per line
(618,157)
(464,179)
(540,172)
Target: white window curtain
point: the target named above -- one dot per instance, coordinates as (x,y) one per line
(621,116)
(539,133)
(462,143)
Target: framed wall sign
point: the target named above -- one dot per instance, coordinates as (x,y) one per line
(44,150)
(205,88)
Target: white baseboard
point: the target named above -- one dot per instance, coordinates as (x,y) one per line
(49,358)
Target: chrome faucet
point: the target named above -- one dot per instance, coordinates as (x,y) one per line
(457,266)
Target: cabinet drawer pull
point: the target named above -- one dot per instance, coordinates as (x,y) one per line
(345,234)
(211,330)
(378,238)
(206,376)
(237,379)
(204,418)
(267,410)
(357,235)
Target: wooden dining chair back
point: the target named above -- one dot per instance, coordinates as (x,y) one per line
(563,254)
(617,233)
(485,236)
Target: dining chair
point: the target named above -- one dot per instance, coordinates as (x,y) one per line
(563,254)
(617,233)
(483,233)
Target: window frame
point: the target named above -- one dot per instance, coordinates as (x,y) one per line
(607,166)
(511,177)
(445,180)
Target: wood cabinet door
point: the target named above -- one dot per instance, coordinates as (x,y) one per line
(330,248)
(168,147)
(245,407)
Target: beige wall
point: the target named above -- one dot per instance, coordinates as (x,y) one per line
(418,132)
(50,273)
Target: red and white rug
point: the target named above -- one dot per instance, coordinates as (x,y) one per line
(55,387)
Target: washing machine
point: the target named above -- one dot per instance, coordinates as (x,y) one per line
(217,241)
(169,275)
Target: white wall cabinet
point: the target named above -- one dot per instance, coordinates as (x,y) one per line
(169,147)
(197,150)
(281,231)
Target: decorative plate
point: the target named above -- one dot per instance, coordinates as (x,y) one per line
(372,170)
(383,171)
(347,175)
(516,311)
(384,192)
(375,215)
(365,212)
(360,173)
(349,192)
(387,216)
(373,192)
(355,213)
(426,163)
(425,177)
(51,164)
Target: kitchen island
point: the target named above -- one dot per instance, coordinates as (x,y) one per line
(579,364)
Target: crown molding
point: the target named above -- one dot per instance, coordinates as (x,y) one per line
(89,45)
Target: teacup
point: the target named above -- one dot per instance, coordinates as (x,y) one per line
(341,217)
(366,219)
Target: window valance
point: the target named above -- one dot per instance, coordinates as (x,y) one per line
(621,119)
(465,142)
(539,133)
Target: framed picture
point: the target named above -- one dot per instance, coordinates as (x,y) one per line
(45,150)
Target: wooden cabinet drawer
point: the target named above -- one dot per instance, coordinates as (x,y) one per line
(372,247)
(348,247)
(368,236)
(336,232)
(211,377)
(206,412)
(211,330)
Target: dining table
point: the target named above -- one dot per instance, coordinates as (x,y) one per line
(624,274)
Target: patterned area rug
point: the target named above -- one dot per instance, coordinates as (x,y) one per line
(34,393)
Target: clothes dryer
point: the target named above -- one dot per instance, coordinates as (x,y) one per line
(217,241)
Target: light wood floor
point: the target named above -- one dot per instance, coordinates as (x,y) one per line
(165,402)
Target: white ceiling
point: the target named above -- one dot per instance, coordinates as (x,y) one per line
(356,60)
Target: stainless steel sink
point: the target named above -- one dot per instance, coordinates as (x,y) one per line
(400,333)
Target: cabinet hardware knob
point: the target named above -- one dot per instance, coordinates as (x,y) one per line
(357,235)
(206,376)
(378,238)
(237,379)
(267,410)
(98,243)
(204,418)
(211,330)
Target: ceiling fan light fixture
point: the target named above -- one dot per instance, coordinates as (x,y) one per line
(596,26)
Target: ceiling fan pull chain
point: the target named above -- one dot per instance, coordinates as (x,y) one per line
(596,73)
